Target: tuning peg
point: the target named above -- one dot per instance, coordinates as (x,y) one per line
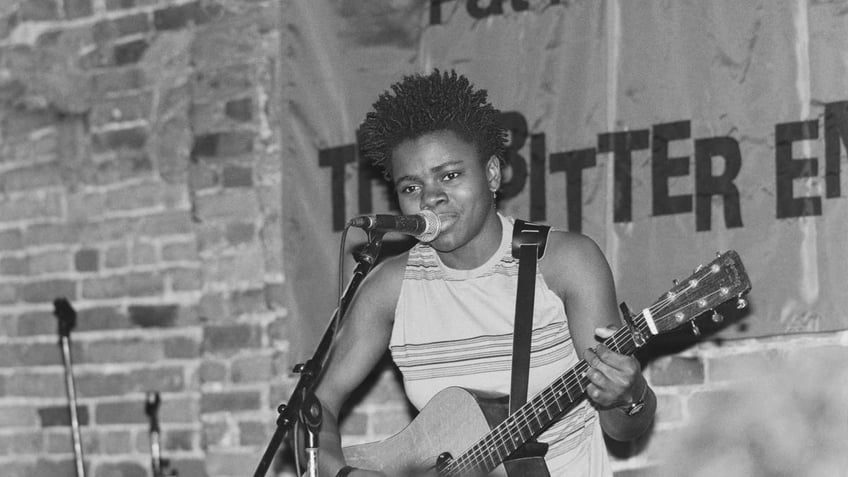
(674,282)
(699,268)
(695,330)
(741,303)
(717,317)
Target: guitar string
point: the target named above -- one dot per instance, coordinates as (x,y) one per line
(522,416)
(549,396)
(496,436)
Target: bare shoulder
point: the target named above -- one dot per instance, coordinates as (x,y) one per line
(571,258)
(381,288)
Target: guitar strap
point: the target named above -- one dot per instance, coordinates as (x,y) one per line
(528,246)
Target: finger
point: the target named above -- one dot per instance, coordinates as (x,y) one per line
(619,362)
(606,332)
(598,396)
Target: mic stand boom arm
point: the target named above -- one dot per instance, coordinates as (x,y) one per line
(303,406)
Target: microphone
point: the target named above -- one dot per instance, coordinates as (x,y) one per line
(425,225)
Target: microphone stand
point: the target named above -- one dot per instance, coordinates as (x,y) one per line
(67,317)
(303,407)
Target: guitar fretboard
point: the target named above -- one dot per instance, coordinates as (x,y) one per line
(534,416)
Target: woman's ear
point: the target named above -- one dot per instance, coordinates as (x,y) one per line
(493,173)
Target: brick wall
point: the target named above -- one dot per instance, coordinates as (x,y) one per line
(140,178)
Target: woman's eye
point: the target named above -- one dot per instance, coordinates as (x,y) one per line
(409,189)
(451,176)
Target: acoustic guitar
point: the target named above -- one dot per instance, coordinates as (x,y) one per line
(462,432)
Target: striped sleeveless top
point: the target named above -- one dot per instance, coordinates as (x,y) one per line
(454,328)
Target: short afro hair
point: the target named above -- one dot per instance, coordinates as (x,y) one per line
(423,104)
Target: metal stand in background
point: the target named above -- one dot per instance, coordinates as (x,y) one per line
(158,464)
(303,406)
(67,320)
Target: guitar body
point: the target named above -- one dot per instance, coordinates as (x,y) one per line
(452,421)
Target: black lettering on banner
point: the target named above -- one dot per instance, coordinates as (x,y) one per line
(517,126)
(336,158)
(573,163)
(788,168)
(476,11)
(538,187)
(708,185)
(436,11)
(621,144)
(835,129)
(664,167)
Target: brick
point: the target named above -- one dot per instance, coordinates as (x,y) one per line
(230,337)
(39,10)
(29,178)
(34,206)
(180,16)
(106,230)
(18,416)
(116,256)
(163,379)
(45,291)
(230,401)
(122,165)
(234,204)
(745,366)
(179,251)
(129,52)
(248,301)
(35,354)
(86,260)
(179,440)
(185,279)
(130,24)
(212,371)
(126,350)
(49,234)
(112,442)
(704,404)
(229,462)
(181,348)
(251,369)
(212,84)
(121,4)
(179,410)
(21,443)
(49,467)
(101,318)
(237,176)
(115,80)
(29,384)
(253,433)
(100,384)
(130,138)
(214,307)
(77,8)
(215,433)
(123,412)
(11,239)
(120,469)
(37,323)
(144,254)
(53,416)
(8,293)
(147,316)
(49,262)
(239,109)
(168,223)
(223,144)
(675,370)
(129,107)
(146,195)
(201,176)
(130,284)
(14,266)
(190,467)
(669,408)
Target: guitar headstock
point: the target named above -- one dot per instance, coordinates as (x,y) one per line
(719,281)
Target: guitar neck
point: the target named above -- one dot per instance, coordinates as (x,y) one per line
(534,416)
